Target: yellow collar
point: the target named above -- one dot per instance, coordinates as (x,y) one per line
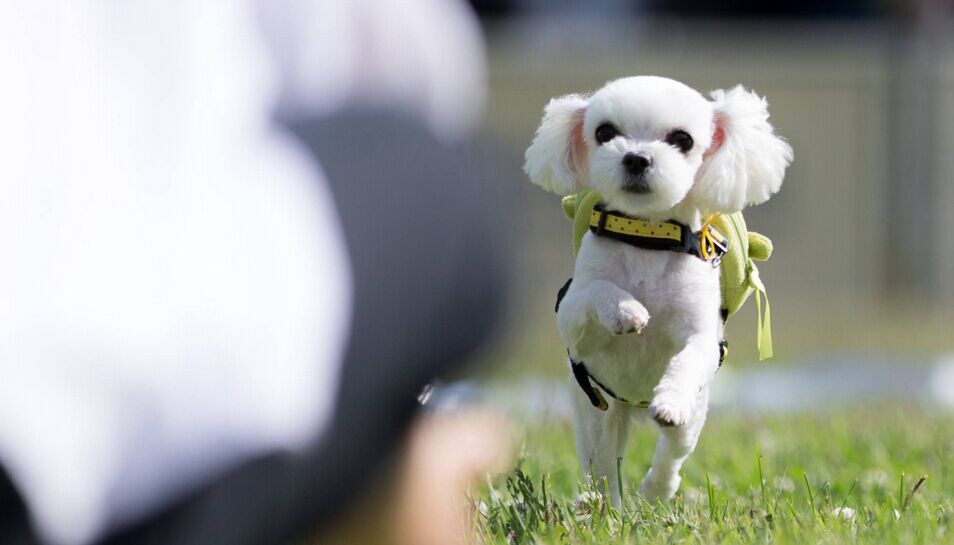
(708,244)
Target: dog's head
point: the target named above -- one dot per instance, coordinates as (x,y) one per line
(647,144)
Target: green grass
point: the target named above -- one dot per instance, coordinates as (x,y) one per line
(752,479)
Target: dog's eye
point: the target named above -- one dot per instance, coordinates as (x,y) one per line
(605,133)
(681,140)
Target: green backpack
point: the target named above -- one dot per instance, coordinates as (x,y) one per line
(739,275)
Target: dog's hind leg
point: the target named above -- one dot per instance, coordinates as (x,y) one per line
(675,444)
(601,440)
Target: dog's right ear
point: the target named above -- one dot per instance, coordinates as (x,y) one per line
(557,159)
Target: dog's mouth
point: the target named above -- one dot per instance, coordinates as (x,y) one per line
(637,185)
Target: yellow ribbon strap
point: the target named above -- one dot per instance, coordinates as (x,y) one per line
(709,238)
(763,331)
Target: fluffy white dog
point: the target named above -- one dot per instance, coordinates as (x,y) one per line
(643,324)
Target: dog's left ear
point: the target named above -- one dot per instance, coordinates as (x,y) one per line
(746,162)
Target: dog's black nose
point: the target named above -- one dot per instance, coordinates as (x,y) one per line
(636,163)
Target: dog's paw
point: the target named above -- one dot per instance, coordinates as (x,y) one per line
(670,409)
(654,488)
(628,316)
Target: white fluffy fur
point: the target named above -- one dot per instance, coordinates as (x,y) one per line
(549,158)
(646,323)
(750,164)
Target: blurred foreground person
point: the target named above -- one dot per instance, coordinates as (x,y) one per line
(230,265)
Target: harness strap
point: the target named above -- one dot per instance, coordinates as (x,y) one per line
(583,378)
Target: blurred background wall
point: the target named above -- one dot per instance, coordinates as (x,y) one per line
(863,90)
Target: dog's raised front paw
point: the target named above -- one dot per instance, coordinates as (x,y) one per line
(670,409)
(628,316)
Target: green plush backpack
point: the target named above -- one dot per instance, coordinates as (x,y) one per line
(739,275)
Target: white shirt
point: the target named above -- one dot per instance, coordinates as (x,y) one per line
(174,292)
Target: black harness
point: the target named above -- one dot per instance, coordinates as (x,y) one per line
(689,243)
(583,378)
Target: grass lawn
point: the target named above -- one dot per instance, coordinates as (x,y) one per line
(838,477)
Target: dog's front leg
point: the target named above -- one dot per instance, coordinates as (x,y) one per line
(615,309)
(681,401)
(691,370)
(675,444)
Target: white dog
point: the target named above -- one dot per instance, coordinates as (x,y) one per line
(643,324)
